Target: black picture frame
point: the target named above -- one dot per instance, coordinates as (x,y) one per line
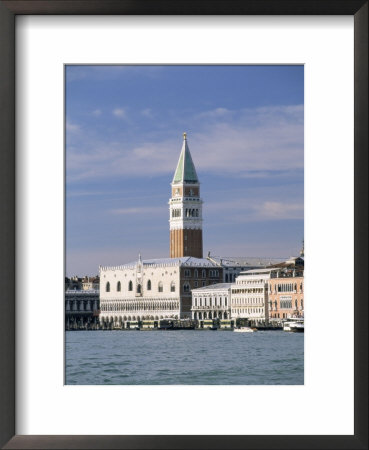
(8,11)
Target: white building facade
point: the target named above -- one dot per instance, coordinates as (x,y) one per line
(212,302)
(249,295)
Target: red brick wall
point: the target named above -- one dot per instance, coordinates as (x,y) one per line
(186,243)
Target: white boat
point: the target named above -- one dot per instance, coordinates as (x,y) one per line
(244,330)
(296,325)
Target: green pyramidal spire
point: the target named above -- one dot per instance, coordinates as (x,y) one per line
(185,171)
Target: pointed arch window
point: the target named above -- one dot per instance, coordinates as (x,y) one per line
(138,289)
(160,287)
(107,287)
(149,285)
(172,287)
(130,286)
(119,286)
(186,287)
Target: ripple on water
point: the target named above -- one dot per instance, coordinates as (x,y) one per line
(184,357)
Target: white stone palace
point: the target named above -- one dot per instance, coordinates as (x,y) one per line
(152,289)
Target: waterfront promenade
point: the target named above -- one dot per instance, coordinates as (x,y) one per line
(177,325)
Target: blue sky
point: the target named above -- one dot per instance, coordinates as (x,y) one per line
(124,128)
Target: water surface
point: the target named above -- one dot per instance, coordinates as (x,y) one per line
(184,357)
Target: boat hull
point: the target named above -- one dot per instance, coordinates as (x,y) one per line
(293,327)
(297,329)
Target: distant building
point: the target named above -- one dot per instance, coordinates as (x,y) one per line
(82,284)
(153,289)
(212,302)
(73,283)
(89,283)
(286,290)
(234,265)
(258,295)
(81,309)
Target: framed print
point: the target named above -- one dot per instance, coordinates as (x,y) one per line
(42,40)
(195,289)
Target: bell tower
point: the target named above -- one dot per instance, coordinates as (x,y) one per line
(185,208)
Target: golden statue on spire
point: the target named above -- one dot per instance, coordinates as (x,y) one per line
(184,135)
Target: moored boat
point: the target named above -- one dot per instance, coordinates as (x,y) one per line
(295,325)
(244,330)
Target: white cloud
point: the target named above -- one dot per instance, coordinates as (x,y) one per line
(254,142)
(262,139)
(120,113)
(255,208)
(215,113)
(273,210)
(72,127)
(96,112)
